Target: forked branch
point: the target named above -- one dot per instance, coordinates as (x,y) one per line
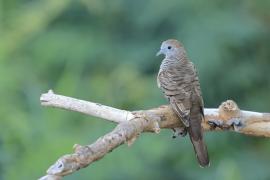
(131,124)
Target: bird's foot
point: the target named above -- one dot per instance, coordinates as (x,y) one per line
(181,131)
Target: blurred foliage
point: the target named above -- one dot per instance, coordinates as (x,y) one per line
(104,51)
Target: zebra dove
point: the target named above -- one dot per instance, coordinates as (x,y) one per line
(178,80)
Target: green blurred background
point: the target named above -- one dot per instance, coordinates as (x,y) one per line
(104,51)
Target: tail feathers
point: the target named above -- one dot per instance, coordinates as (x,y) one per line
(201,152)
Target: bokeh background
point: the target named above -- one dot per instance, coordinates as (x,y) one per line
(104,51)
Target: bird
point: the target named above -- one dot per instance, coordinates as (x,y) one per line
(179,82)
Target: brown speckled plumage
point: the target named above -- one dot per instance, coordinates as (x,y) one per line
(179,82)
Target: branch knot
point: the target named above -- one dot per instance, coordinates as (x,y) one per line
(229,110)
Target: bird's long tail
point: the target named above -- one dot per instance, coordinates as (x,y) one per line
(200,151)
(196,136)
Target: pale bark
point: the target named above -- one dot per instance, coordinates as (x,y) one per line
(130,124)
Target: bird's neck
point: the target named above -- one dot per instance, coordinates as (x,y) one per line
(179,56)
(173,62)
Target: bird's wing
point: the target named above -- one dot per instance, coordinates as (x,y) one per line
(197,91)
(177,92)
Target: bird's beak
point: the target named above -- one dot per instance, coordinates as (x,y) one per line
(159,52)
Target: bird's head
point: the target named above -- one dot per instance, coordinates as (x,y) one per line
(171,48)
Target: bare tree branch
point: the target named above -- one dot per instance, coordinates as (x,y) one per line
(131,124)
(85,107)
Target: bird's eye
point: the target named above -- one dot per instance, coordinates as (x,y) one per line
(169,47)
